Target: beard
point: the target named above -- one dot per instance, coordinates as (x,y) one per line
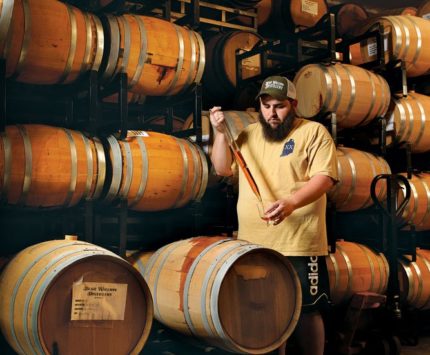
(279,133)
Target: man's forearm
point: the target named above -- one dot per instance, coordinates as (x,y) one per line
(221,155)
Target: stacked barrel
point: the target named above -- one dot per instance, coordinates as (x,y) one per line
(71,296)
(221,290)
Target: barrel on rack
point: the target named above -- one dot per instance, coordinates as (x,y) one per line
(275,17)
(424,10)
(349,18)
(407,38)
(72,297)
(355,268)
(410,119)
(49,42)
(219,78)
(155,171)
(44,166)
(414,280)
(239,296)
(355,94)
(417,210)
(159,57)
(356,170)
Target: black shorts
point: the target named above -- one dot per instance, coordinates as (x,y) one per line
(313,275)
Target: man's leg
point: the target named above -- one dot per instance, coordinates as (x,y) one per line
(310,333)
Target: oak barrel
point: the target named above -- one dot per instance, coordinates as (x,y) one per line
(159,57)
(44,166)
(355,268)
(424,10)
(407,38)
(219,77)
(414,280)
(410,117)
(239,296)
(74,298)
(355,94)
(155,171)
(349,18)
(417,210)
(356,170)
(50,42)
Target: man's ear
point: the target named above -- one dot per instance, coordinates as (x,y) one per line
(294,103)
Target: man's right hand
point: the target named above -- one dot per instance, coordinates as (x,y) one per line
(217,118)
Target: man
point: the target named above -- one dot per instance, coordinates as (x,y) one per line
(293,162)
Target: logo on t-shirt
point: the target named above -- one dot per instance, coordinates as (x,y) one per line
(288,148)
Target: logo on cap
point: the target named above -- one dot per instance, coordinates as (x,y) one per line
(273,84)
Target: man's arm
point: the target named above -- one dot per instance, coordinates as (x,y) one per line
(317,186)
(221,155)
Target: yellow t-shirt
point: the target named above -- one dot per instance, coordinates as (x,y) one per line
(280,168)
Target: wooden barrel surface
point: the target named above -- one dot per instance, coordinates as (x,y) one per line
(349,18)
(159,57)
(355,268)
(410,42)
(238,296)
(408,10)
(410,117)
(417,210)
(74,298)
(155,171)
(356,95)
(219,78)
(307,13)
(424,10)
(414,280)
(356,170)
(44,166)
(50,42)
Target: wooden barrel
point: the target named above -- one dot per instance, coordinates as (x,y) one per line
(356,170)
(50,42)
(219,77)
(264,11)
(43,166)
(410,117)
(307,13)
(155,171)
(225,291)
(277,16)
(424,10)
(417,210)
(159,57)
(73,297)
(356,95)
(349,18)
(408,10)
(355,268)
(410,42)
(414,280)
(159,123)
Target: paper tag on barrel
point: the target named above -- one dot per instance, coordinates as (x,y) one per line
(98,301)
(311,7)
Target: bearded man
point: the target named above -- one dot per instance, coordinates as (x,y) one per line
(293,161)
